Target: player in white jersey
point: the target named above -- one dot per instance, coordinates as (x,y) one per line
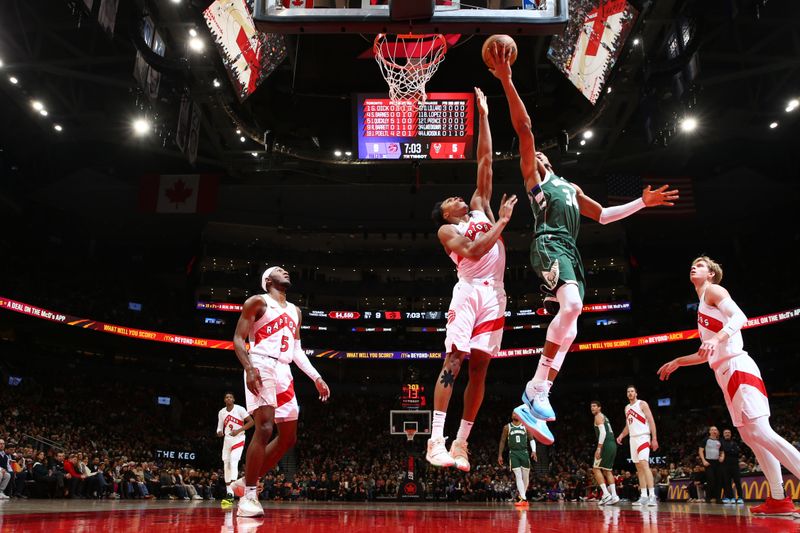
(719,322)
(232,422)
(470,235)
(641,427)
(271,325)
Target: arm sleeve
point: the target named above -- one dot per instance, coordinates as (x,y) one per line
(618,212)
(219,422)
(533,444)
(736,318)
(302,362)
(601,430)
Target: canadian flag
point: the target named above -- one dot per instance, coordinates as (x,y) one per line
(178,193)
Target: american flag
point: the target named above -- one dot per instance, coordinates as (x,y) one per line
(623,188)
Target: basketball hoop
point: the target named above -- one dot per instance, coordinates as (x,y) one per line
(408,62)
(410,432)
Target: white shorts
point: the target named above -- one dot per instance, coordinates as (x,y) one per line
(267,395)
(476,318)
(232,449)
(287,409)
(640,448)
(744,391)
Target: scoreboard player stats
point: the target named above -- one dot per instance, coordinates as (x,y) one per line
(441,128)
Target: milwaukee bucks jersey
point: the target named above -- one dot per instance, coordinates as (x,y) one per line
(560,215)
(609,440)
(517,438)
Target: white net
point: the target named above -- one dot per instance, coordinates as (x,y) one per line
(408,62)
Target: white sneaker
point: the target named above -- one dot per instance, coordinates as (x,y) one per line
(437,453)
(652,501)
(643,500)
(537,398)
(197,497)
(249,507)
(614,500)
(604,500)
(458,451)
(4,497)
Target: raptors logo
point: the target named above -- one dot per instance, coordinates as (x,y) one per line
(451,315)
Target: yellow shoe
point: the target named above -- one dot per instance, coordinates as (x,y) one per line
(227,503)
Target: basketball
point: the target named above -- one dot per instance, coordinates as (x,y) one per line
(503,40)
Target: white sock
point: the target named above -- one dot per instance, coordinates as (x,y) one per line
(463,430)
(613,489)
(644,493)
(651,492)
(250,492)
(543,368)
(437,428)
(230,488)
(604,489)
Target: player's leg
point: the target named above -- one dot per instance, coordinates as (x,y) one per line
(233,464)
(560,334)
(526,481)
(473,397)
(263,417)
(771,450)
(601,482)
(651,486)
(611,484)
(277,448)
(519,480)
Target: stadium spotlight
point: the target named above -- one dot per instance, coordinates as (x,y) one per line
(773,125)
(689,124)
(141,126)
(792,105)
(193,32)
(588,134)
(583,142)
(242,139)
(37,105)
(348,154)
(337,153)
(43,112)
(636,41)
(254,154)
(58,128)
(196,44)
(13,80)
(216,82)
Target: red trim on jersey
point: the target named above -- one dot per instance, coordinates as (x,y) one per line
(642,447)
(230,418)
(274,326)
(636,415)
(491,325)
(740,378)
(286,396)
(708,322)
(237,445)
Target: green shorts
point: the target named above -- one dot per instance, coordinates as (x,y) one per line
(519,459)
(607,456)
(556,260)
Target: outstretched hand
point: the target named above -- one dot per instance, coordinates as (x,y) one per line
(660,196)
(501,61)
(507,207)
(322,389)
(667,369)
(480,99)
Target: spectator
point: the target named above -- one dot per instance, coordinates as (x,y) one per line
(5,470)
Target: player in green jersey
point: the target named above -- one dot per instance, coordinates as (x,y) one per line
(604,455)
(515,434)
(557,207)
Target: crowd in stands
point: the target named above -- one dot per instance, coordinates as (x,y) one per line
(98,441)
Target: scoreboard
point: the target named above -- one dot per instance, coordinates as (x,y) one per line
(441,128)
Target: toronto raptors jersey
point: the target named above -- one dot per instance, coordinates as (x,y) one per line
(227,421)
(637,422)
(492,264)
(273,335)
(710,321)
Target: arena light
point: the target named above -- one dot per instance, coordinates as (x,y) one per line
(348,154)
(792,105)
(689,124)
(141,126)
(773,125)
(254,154)
(193,32)
(588,134)
(636,41)
(337,153)
(216,83)
(196,44)
(43,112)
(583,142)
(37,105)
(1,63)
(242,139)
(58,128)
(13,80)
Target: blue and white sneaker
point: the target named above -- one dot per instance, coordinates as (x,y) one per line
(727,501)
(536,427)
(537,398)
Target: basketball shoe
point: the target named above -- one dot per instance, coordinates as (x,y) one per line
(535,426)
(537,398)
(652,501)
(605,500)
(520,502)
(641,502)
(458,451)
(773,507)
(249,507)
(227,502)
(614,500)
(437,453)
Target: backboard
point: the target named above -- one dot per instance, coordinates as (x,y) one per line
(400,420)
(512,17)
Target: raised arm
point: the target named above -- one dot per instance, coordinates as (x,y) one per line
(520,118)
(303,363)
(483,242)
(652,425)
(481,199)
(250,311)
(502,446)
(650,198)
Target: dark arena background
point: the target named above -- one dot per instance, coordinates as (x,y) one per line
(157,156)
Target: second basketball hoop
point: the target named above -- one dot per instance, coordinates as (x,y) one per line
(408,62)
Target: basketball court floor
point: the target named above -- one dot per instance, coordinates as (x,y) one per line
(318,517)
